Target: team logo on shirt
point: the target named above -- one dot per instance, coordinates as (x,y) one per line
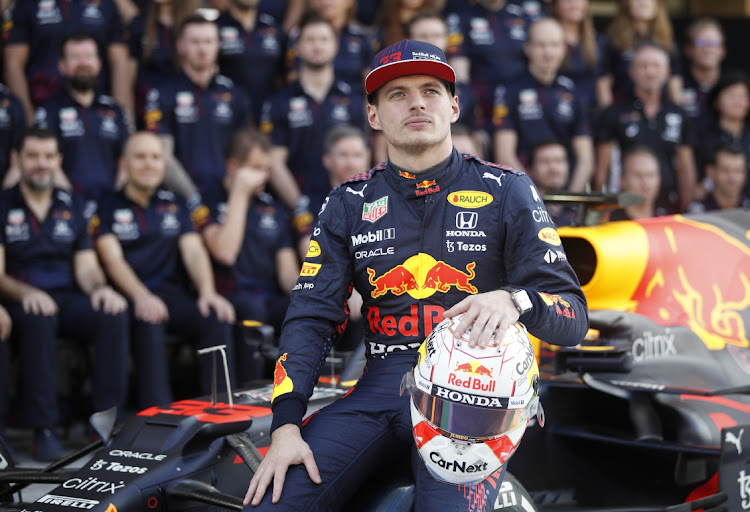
(62,231)
(469,199)
(170,223)
(550,236)
(373,211)
(70,124)
(16,230)
(185,107)
(47,12)
(124,225)
(313,251)
(92,11)
(309,269)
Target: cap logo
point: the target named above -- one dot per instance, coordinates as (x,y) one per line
(423,55)
(392,57)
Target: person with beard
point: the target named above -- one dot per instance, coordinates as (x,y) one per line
(253,50)
(549,169)
(91,127)
(52,285)
(196,112)
(298,117)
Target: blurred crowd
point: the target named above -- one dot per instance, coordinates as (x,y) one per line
(162,161)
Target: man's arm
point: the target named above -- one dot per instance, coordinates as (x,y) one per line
(583,148)
(16,58)
(287,269)
(506,143)
(32,299)
(122,79)
(198,265)
(148,307)
(686,177)
(281,180)
(92,281)
(603,162)
(176,177)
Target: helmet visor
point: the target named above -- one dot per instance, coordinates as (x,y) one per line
(463,420)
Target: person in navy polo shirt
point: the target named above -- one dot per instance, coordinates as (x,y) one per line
(142,234)
(36,30)
(541,105)
(196,112)
(12,124)
(250,239)
(91,127)
(298,116)
(253,50)
(53,286)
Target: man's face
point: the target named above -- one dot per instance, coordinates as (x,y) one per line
(733,102)
(317,45)
(551,168)
(80,64)
(348,157)
(38,160)
(642,10)
(640,175)
(199,46)
(650,69)
(414,112)
(707,47)
(245,4)
(545,48)
(430,30)
(728,174)
(143,161)
(331,9)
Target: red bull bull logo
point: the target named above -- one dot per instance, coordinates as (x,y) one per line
(281,382)
(473,368)
(420,276)
(427,187)
(407,175)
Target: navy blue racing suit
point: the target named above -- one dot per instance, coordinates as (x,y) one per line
(413,246)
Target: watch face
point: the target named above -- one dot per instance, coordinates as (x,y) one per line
(521,298)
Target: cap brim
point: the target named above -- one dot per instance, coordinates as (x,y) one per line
(388,72)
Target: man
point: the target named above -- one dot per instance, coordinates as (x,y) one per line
(549,170)
(396,220)
(143,235)
(54,286)
(728,174)
(298,116)
(543,105)
(36,30)
(250,239)
(196,113)
(649,119)
(705,52)
(345,153)
(253,48)
(641,176)
(91,127)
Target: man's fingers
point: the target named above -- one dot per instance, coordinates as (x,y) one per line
(278,483)
(312,468)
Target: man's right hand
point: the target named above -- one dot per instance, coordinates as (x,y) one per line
(39,303)
(287,448)
(151,309)
(250,180)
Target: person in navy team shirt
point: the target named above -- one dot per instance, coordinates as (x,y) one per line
(143,235)
(196,112)
(37,29)
(91,127)
(543,104)
(253,50)
(12,124)
(250,239)
(298,116)
(53,286)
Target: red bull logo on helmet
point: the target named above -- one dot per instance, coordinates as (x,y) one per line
(420,276)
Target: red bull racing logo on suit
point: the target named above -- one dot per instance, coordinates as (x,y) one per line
(420,276)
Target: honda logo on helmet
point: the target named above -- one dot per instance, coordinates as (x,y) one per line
(466,220)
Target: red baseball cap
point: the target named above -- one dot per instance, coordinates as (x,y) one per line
(408,57)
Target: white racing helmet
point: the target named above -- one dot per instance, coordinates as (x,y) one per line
(470,406)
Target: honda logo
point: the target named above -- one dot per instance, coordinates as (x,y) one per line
(466,220)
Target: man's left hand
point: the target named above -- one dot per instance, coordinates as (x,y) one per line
(106,299)
(485,314)
(223,308)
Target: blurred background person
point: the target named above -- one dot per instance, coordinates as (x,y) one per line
(641,176)
(636,22)
(12,125)
(727,171)
(395,15)
(549,169)
(251,243)
(704,53)
(543,104)
(464,140)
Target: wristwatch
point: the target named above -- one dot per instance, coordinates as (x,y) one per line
(520,299)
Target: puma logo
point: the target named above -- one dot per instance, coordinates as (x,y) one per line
(360,193)
(491,176)
(735,440)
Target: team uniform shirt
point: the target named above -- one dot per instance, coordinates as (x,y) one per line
(91,140)
(357,48)
(276,9)
(12,125)
(149,236)
(44,24)
(709,204)
(253,60)
(583,74)
(267,230)
(695,103)
(296,121)
(539,112)
(40,253)
(493,42)
(626,124)
(202,122)
(412,246)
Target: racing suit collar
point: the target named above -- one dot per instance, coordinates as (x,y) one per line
(427,182)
